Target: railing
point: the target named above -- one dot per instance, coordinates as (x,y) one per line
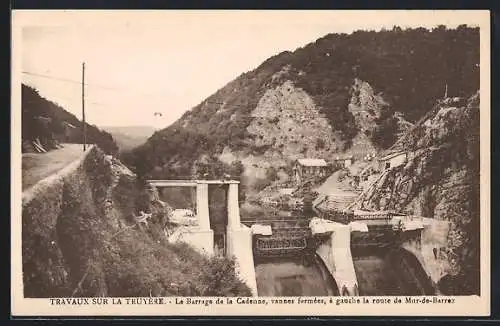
(279,223)
(289,236)
(381,216)
(280,246)
(291,232)
(337,216)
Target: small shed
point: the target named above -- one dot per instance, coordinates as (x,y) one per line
(344,161)
(392,160)
(309,167)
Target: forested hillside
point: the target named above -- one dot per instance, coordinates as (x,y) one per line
(51,124)
(259,117)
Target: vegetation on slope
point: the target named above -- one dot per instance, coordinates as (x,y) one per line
(411,69)
(80,239)
(441,180)
(51,124)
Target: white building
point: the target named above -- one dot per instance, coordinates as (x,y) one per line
(344,162)
(393,160)
(309,167)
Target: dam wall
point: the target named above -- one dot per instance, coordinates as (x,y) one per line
(429,245)
(335,252)
(239,246)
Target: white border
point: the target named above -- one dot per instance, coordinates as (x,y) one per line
(463,306)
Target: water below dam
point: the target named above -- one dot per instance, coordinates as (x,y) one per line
(294,277)
(381,269)
(381,272)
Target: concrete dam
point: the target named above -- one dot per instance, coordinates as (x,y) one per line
(367,255)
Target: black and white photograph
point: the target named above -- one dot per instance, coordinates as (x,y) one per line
(279,161)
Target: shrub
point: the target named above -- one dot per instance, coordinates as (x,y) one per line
(272,174)
(69,239)
(320,143)
(260,184)
(221,279)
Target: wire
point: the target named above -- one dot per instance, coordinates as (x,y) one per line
(57,78)
(110,88)
(70,98)
(145,95)
(70,81)
(203,103)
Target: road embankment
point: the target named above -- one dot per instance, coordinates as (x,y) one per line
(80,239)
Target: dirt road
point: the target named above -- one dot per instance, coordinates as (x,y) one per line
(37,166)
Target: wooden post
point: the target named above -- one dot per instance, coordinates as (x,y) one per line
(83,109)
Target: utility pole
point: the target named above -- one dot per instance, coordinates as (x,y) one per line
(83,109)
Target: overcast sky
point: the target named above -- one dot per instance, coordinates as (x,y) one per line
(169,61)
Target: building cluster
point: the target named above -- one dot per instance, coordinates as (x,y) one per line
(307,168)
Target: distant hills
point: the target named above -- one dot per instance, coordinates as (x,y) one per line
(129,137)
(340,95)
(45,124)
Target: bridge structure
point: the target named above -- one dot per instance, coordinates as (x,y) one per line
(279,237)
(326,237)
(238,243)
(336,239)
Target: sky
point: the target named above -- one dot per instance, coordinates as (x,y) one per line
(139,63)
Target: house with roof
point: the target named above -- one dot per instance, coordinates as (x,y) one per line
(309,167)
(392,160)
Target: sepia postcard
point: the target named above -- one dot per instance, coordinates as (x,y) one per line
(250,163)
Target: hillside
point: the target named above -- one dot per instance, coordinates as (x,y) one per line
(441,181)
(82,238)
(47,124)
(342,94)
(129,137)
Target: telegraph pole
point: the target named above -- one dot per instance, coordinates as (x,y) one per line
(83,109)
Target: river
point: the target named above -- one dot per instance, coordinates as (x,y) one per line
(293,278)
(381,269)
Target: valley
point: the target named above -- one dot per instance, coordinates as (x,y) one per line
(347,167)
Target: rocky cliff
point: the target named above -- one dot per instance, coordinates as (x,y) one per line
(440,180)
(342,94)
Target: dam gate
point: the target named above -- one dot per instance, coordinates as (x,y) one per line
(289,237)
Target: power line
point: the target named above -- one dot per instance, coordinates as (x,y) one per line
(70,97)
(72,81)
(83,108)
(109,88)
(118,89)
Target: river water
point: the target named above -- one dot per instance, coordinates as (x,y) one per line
(377,275)
(381,269)
(293,278)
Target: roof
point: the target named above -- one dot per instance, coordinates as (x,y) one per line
(312,162)
(391,155)
(339,158)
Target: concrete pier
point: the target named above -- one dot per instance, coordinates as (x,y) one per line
(202,210)
(233,206)
(336,254)
(201,237)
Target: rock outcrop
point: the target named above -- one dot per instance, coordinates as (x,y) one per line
(440,180)
(340,93)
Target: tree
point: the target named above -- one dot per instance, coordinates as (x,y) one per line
(320,143)
(237,169)
(272,174)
